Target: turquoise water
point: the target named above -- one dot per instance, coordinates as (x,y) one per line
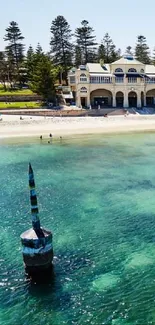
(97,195)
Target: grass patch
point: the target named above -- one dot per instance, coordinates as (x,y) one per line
(16,92)
(19,105)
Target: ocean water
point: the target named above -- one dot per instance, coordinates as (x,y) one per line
(97,195)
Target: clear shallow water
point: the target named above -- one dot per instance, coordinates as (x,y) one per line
(98,197)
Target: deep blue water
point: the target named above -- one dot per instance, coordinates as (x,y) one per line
(97,195)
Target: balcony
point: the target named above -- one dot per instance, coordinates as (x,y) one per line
(150,81)
(119,80)
(72,80)
(132,80)
(100,80)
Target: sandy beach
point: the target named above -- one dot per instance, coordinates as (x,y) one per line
(12,126)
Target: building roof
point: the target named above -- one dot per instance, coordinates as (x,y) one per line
(105,70)
(127,60)
(150,69)
(72,71)
(97,68)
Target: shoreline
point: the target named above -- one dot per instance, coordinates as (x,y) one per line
(12,126)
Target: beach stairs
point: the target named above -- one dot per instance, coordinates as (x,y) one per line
(104,111)
(111,112)
(146,111)
(118,112)
(132,111)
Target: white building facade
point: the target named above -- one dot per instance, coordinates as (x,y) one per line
(123,83)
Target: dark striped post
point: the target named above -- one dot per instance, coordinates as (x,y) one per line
(36,242)
(33,200)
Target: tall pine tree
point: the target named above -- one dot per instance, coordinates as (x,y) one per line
(128,50)
(15,48)
(107,50)
(115,54)
(153,57)
(142,52)
(30,62)
(39,49)
(3,69)
(101,53)
(42,80)
(61,46)
(86,41)
(13,75)
(77,56)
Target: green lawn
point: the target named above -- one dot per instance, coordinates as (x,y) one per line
(16,92)
(19,105)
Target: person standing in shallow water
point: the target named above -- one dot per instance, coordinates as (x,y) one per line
(50,135)
(41,137)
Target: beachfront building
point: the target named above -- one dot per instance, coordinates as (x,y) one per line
(123,83)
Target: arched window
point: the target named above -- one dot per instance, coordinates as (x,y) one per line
(83,77)
(142,71)
(83,90)
(119,70)
(132,70)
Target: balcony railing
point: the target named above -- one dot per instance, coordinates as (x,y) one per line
(84,80)
(72,80)
(100,80)
(132,80)
(119,80)
(150,81)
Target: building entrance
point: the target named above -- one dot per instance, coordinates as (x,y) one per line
(83,102)
(100,101)
(132,99)
(119,99)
